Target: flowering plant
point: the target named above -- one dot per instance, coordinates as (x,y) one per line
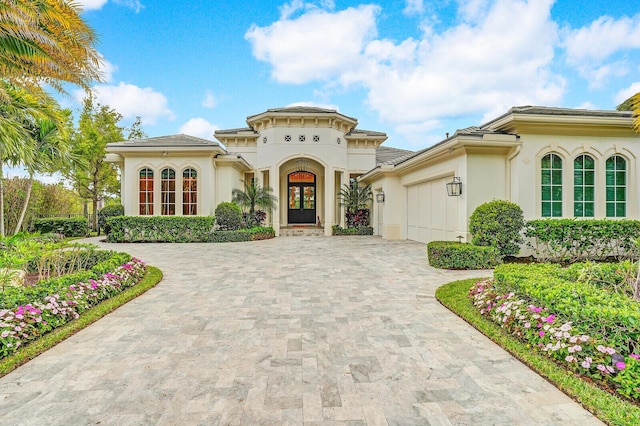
(28,322)
(576,348)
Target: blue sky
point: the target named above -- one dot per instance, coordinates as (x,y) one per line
(415,69)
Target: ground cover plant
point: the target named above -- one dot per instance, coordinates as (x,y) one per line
(582,318)
(67,280)
(604,403)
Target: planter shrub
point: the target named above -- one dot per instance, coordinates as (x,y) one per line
(228,216)
(497,224)
(572,240)
(68,226)
(454,255)
(107,212)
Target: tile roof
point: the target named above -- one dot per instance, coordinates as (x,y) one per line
(388,155)
(167,141)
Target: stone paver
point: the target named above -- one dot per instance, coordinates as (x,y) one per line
(311,330)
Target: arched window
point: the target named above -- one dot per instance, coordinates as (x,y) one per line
(616,186)
(168,191)
(189,192)
(584,186)
(146,192)
(551,167)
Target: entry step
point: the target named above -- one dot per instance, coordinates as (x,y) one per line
(301,231)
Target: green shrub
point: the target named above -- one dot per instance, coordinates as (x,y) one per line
(107,212)
(228,216)
(171,229)
(571,240)
(497,224)
(69,227)
(615,277)
(454,255)
(356,230)
(607,316)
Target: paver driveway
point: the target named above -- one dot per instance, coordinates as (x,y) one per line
(285,331)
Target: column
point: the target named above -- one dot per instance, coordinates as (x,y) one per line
(274,177)
(329,200)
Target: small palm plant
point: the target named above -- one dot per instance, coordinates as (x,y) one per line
(253,195)
(356,200)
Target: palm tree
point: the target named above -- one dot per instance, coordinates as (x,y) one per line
(47,41)
(52,151)
(635,105)
(253,195)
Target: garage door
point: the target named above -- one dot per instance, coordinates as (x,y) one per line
(432,215)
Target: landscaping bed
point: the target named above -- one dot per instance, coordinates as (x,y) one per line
(72,279)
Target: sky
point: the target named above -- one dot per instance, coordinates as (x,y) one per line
(415,69)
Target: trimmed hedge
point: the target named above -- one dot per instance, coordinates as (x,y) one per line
(107,212)
(454,255)
(178,229)
(605,315)
(498,224)
(228,216)
(170,229)
(360,230)
(68,226)
(572,240)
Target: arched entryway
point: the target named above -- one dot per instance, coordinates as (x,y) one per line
(301,203)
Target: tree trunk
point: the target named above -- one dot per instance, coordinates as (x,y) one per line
(94,218)
(1,203)
(25,205)
(636,292)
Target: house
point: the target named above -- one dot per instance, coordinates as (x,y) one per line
(553,162)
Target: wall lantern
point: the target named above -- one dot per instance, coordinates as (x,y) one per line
(380,197)
(301,165)
(454,188)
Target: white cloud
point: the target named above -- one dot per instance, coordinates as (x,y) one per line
(603,38)
(317,45)
(210,100)
(483,65)
(414,7)
(136,5)
(199,127)
(131,101)
(626,93)
(586,105)
(131,4)
(91,4)
(107,69)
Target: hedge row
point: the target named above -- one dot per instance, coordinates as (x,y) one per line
(178,229)
(359,230)
(572,240)
(454,255)
(68,226)
(605,315)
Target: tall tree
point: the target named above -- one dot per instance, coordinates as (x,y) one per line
(632,104)
(97,126)
(52,150)
(136,131)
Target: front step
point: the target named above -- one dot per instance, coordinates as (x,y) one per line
(301,231)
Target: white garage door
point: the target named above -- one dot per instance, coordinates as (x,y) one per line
(432,215)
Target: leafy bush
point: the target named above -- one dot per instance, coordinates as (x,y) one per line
(107,212)
(178,229)
(454,255)
(571,240)
(228,216)
(355,230)
(357,219)
(565,338)
(606,316)
(69,227)
(252,220)
(173,229)
(618,277)
(497,224)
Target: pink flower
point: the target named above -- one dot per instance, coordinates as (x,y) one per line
(635,356)
(570,358)
(621,365)
(541,333)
